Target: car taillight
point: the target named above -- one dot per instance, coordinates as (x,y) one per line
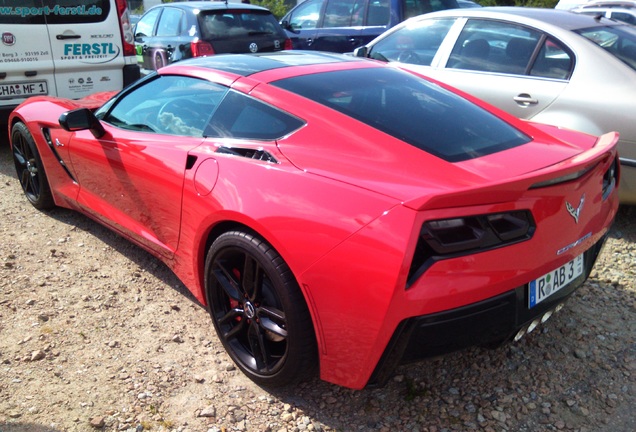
(288,44)
(128,39)
(201,48)
(449,238)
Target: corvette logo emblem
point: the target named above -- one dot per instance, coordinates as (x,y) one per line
(575,212)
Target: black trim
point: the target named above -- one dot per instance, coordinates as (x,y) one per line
(131,74)
(486,323)
(628,162)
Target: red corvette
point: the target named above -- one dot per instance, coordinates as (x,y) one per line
(329,211)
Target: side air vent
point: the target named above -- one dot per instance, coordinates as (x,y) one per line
(610,179)
(450,238)
(258,154)
(47,136)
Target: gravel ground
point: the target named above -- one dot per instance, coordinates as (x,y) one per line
(95,334)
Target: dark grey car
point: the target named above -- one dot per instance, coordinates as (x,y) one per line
(171,32)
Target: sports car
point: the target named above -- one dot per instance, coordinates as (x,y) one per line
(331,213)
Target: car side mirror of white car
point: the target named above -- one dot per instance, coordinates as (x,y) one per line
(81,119)
(362,51)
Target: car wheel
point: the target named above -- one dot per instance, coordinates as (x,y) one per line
(159,62)
(258,310)
(29,168)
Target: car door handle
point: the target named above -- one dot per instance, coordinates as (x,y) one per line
(310,41)
(525,99)
(67,36)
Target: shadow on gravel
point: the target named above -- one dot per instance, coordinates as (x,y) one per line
(77,220)
(25,427)
(624,220)
(575,373)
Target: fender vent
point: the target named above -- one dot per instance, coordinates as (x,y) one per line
(258,154)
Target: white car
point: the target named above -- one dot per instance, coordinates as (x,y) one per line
(575,4)
(64,48)
(615,13)
(551,66)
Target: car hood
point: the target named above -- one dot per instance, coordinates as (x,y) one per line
(419,179)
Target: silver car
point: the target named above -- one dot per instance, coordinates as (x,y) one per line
(551,66)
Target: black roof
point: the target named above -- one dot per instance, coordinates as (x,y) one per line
(248,64)
(210,5)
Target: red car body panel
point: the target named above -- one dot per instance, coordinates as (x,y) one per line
(347,226)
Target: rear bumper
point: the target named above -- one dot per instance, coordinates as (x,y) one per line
(489,322)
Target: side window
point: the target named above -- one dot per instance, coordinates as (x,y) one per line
(54,11)
(494,46)
(77,11)
(240,116)
(342,13)
(10,12)
(413,8)
(625,17)
(378,14)
(146,25)
(415,44)
(171,104)
(553,61)
(307,15)
(170,22)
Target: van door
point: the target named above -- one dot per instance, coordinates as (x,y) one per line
(87,46)
(26,61)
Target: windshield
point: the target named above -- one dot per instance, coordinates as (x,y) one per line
(620,41)
(411,109)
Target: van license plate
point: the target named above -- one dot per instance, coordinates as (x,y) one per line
(549,283)
(23,89)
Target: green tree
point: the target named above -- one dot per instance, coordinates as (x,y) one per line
(277,7)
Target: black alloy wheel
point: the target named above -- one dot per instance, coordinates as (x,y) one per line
(29,168)
(258,310)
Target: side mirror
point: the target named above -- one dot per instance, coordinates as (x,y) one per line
(287,26)
(81,119)
(362,51)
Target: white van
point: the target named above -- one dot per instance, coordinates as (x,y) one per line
(65,48)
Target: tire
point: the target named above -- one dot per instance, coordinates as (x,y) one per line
(29,168)
(159,62)
(258,310)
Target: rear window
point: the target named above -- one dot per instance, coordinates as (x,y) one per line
(411,109)
(223,24)
(620,41)
(53,11)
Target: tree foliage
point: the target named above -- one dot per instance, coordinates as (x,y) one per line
(276,7)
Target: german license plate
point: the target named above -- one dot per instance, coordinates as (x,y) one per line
(23,89)
(549,283)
